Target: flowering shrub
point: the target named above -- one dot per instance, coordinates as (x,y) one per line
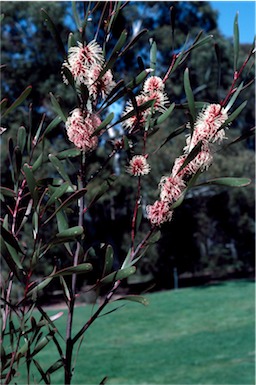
(47,203)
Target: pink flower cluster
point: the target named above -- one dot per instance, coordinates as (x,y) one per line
(207,130)
(85,62)
(153,89)
(138,166)
(80,127)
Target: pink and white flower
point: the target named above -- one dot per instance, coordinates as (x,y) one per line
(138,166)
(171,188)
(207,126)
(80,127)
(85,64)
(152,84)
(159,213)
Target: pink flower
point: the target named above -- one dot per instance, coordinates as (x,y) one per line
(80,127)
(138,166)
(159,212)
(201,162)
(171,188)
(102,86)
(152,84)
(207,126)
(177,165)
(161,100)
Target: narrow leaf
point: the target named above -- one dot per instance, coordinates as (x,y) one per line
(164,116)
(109,258)
(57,108)
(79,269)
(30,180)
(71,153)
(152,55)
(72,198)
(21,138)
(229,181)
(7,192)
(60,168)
(72,232)
(234,97)
(105,122)
(133,41)
(59,191)
(40,286)
(236,42)
(235,113)
(55,34)
(134,298)
(189,94)
(118,275)
(9,238)
(52,125)
(18,101)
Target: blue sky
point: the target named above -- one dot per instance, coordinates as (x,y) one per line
(246,18)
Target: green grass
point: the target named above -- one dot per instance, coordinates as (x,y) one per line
(196,336)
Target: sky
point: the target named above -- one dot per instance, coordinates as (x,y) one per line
(246,18)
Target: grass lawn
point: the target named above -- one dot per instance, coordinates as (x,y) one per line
(202,335)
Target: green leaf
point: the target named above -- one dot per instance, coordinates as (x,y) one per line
(7,192)
(9,238)
(21,138)
(164,116)
(114,54)
(234,114)
(152,55)
(189,95)
(72,232)
(73,197)
(18,162)
(118,275)
(57,365)
(133,298)
(71,40)
(65,288)
(57,108)
(38,162)
(8,258)
(236,42)
(43,374)
(234,97)
(154,237)
(60,168)
(71,153)
(58,192)
(229,181)
(55,34)
(76,16)
(40,286)
(133,41)
(105,122)
(53,124)
(79,269)
(43,342)
(138,218)
(109,259)
(103,188)
(18,101)
(31,181)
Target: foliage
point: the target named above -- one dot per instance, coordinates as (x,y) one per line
(51,198)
